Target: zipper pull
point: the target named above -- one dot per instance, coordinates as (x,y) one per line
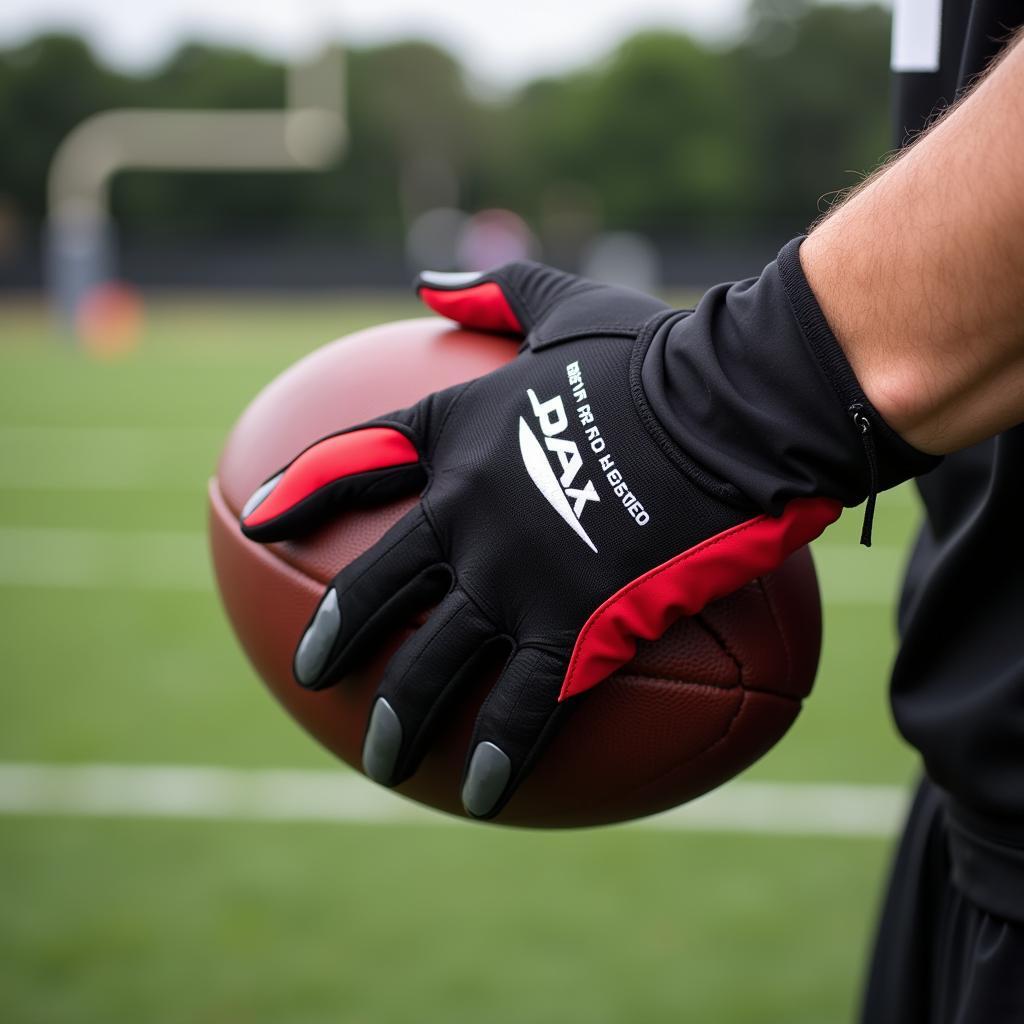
(867,439)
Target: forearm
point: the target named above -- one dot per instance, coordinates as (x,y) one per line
(921,273)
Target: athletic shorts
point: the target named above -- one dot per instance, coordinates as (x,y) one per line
(939,958)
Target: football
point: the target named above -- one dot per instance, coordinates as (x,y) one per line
(691,710)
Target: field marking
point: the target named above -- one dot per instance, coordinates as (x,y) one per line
(228,794)
(64,558)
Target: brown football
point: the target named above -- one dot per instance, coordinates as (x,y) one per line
(689,712)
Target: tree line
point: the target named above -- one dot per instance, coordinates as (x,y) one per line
(666,134)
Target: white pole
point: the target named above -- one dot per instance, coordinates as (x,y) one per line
(308,134)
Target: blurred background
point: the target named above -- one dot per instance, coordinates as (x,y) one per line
(192,198)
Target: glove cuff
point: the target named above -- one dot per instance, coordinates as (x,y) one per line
(754,388)
(897,460)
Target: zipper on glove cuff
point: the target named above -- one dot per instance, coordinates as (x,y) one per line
(862,422)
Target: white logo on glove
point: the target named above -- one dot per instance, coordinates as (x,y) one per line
(558,490)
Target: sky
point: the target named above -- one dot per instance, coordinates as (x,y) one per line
(500,45)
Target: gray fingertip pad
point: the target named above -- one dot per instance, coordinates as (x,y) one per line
(383,742)
(488,775)
(315,646)
(256,499)
(449,279)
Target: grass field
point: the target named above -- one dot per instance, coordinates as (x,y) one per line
(114,650)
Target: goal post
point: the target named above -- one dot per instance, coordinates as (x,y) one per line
(308,134)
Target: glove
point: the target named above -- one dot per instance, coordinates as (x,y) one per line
(562,516)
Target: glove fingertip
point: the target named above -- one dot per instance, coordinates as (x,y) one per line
(486,779)
(257,498)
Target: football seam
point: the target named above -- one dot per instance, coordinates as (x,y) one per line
(720,688)
(681,765)
(780,632)
(656,780)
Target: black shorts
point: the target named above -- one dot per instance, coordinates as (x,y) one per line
(939,958)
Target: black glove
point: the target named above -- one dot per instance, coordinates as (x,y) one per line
(561,516)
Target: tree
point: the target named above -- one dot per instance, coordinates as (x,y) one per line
(665,135)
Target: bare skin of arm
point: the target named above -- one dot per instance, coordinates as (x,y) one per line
(920,272)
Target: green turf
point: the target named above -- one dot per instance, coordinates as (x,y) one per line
(170,922)
(145,921)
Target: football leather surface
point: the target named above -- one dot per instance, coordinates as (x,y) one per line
(689,712)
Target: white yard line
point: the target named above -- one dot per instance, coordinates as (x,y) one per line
(63,558)
(224,794)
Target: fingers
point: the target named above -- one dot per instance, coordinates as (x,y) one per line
(377,463)
(429,672)
(375,594)
(516,719)
(528,298)
(421,678)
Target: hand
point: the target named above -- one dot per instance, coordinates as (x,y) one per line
(557,519)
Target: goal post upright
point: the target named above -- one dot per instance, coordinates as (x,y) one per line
(308,134)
